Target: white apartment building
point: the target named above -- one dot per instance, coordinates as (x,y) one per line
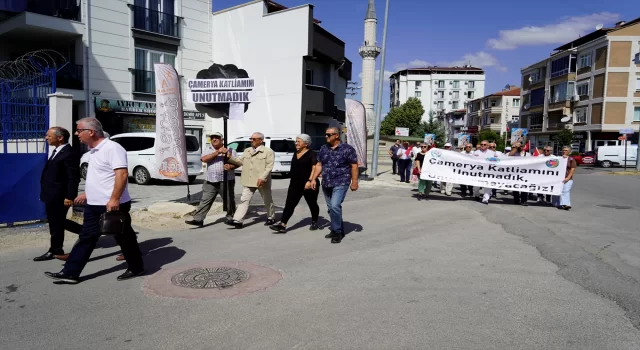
(440,89)
(300,69)
(495,112)
(109,47)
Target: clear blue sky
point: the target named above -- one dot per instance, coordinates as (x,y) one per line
(490,34)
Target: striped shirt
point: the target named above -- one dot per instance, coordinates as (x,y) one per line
(215,167)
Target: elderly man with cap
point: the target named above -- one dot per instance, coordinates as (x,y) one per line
(446,187)
(214,156)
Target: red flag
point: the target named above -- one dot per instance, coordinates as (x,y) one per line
(508,128)
(536,152)
(527,146)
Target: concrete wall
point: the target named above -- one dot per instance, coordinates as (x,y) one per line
(270,47)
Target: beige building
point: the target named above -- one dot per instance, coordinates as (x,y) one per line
(590,85)
(495,111)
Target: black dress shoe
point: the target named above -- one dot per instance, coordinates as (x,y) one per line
(234,223)
(279,228)
(62,277)
(314,226)
(46,256)
(337,237)
(330,235)
(129,275)
(269,222)
(194,222)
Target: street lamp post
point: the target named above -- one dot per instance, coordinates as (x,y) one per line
(376,135)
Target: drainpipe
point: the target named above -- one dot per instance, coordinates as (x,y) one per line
(87,85)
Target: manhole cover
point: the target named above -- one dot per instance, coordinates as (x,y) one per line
(221,279)
(204,278)
(613,206)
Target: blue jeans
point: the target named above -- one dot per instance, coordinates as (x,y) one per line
(334,197)
(565,199)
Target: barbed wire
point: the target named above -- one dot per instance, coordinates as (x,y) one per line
(31,64)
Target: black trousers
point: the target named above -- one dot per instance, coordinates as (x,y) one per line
(57,217)
(81,251)
(294,194)
(466,188)
(394,165)
(520,197)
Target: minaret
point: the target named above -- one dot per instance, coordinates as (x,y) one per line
(369,52)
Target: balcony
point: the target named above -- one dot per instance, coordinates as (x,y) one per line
(555,126)
(497,127)
(318,100)
(70,76)
(144,82)
(327,46)
(153,21)
(28,19)
(493,110)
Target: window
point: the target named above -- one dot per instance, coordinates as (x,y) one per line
(494,103)
(515,119)
(239,146)
(456,95)
(441,84)
(561,92)
(147,142)
(418,84)
(581,115)
(563,66)
(192,143)
(440,104)
(440,94)
(537,97)
(308,77)
(456,84)
(418,93)
(585,61)
(469,94)
(144,76)
(535,76)
(582,90)
(130,144)
(471,85)
(516,102)
(636,114)
(637,84)
(283,146)
(454,105)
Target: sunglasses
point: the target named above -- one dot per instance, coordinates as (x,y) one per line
(423,146)
(492,146)
(329,135)
(255,139)
(547,150)
(484,144)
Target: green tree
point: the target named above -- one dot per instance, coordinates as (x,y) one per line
(492,136)
(433,126)
(564,137)
(407,115)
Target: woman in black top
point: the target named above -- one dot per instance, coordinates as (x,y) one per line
(302,165)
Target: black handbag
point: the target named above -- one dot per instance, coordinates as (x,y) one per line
(113,223)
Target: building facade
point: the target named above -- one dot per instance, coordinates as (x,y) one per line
(495,112)
(299,68)
(440,89)
(590,86)
(369,52)
(107,49)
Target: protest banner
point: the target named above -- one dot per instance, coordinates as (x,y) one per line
(526,174)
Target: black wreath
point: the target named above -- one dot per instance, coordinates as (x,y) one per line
(218,71)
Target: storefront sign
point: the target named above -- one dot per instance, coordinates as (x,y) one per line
(138,107)
(529,174)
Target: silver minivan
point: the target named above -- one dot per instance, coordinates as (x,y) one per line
(284,148)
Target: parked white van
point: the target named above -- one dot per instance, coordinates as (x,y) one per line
(609,156)
(140,147)
(284,148)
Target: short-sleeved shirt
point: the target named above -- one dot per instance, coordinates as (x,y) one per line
(301,168)
(105,158)
(571,163)
(394,151)
(215,167)
(420,159)
(336,164)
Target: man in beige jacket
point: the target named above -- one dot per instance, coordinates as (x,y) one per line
(257,163)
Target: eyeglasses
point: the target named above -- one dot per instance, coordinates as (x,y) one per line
(547,150)
(484,144)
(255,139)
(423,146)
(217,138)
(492,146)
(329,135)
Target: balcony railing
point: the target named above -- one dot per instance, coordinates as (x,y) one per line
(70,77)
(67,9)
(155,21)
(144,81)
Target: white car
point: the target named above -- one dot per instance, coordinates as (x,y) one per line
(283,147)
(609,156)
(140,147)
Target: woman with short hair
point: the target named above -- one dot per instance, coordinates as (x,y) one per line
(302,165)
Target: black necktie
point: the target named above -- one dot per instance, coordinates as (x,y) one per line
(53,154)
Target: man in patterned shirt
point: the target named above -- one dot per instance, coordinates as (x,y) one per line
(214,157)
(338,163)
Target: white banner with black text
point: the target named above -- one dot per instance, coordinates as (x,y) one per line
(525,174)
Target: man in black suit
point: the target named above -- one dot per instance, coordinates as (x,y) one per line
(58,187)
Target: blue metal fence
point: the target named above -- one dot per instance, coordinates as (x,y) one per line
(24,121)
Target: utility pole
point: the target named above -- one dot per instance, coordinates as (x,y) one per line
(376,135)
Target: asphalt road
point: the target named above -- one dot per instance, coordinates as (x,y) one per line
(441,274)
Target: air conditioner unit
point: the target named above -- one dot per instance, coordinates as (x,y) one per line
(451,83)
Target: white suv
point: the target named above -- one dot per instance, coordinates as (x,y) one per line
(283,147)
(140,147)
